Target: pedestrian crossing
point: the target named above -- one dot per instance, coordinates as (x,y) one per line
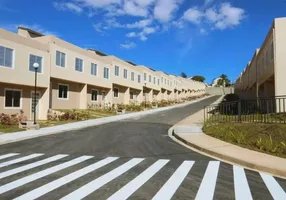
(33,176)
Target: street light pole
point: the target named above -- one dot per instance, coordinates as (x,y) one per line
(36,66)
(145,94)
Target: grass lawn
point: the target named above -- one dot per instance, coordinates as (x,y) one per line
(9,128)
(265,138)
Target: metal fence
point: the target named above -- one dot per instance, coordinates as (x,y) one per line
(261,110)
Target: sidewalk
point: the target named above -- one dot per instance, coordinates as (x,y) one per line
(23,135)
(189,132)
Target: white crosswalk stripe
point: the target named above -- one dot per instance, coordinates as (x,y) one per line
(8,155)
(99,182)
(41,174)
(30,166)
(170,187)
(11,162)
(66,179)
(136,183)
(207,188)
(274,188)
(241,188)
(175,178)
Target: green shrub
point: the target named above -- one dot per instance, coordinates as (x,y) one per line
(133,108)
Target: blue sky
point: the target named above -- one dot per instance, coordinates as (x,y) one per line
(198,37)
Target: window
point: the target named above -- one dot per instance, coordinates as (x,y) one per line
(106,73)
(154,80)
(115,92)
(139,78)
(6,57)
(35,59)
(116,71)
(13,98)
(145,77)
(125,73)
(93,69)
(63,91)
(132,76)
(78,65)
(158,81)
(94,94)
(60,59)
(162,80)
(150,78)
(131,95)
(165,81)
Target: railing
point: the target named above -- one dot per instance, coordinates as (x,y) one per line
(261,110)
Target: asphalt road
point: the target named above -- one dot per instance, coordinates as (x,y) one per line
(143,144)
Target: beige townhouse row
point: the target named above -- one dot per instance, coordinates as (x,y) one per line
(70,77)
(264,75)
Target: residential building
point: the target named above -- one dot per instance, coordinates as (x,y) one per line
(264,75)
(70,77)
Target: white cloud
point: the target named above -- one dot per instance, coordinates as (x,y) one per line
(221,17)
(98,3)
(149,30)
(131,34)
(211,15)
(193,15)
(131,8)
(140,24)
(165,9)
(229,16)
(68,6)
(128,45)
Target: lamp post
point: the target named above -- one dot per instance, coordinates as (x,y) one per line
(36,66)
(145,93)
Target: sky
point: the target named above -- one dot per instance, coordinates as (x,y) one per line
(198,37)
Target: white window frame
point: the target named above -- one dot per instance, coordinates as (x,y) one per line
(150,79)
(107,73)
(43,61)
(96,71)
(114,93)
(145,77)
(63,84)
(82,65)
(139,78)
(65,59)
(132,77)
(125,70)
(13,60)
(12,108)
(115,67)
(96,95)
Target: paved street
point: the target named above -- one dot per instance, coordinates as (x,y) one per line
(129,159)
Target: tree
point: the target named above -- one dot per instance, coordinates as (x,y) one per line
(199,78)
(184,75)
(223,81)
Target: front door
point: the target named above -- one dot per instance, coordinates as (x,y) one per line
(33,107)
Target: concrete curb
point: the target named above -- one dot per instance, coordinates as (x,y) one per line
(228,159)
(24,135)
